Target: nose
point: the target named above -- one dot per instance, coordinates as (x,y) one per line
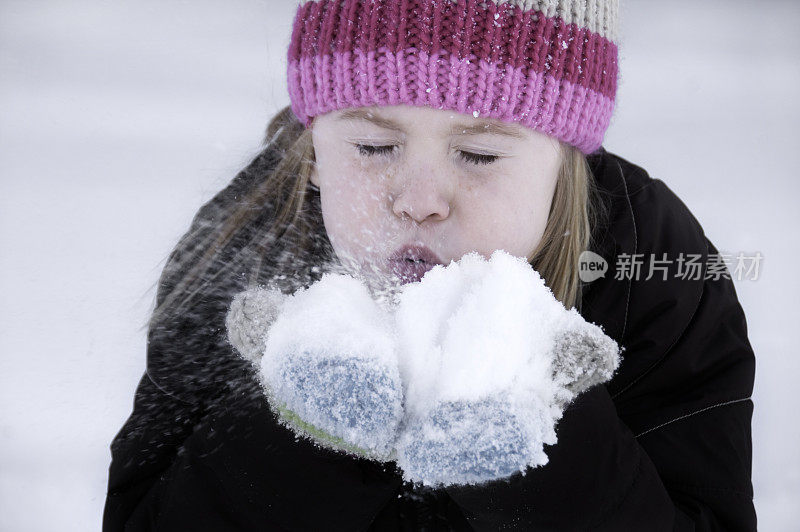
(422,198)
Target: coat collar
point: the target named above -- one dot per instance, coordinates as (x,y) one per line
(644,217)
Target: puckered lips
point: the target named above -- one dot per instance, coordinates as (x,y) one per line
(411,262)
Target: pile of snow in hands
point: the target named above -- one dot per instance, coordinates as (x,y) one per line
(460,378)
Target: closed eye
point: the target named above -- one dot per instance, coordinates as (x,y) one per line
(366,149)
(470,157)
(477,158)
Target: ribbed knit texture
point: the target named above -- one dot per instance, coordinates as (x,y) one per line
(550,65)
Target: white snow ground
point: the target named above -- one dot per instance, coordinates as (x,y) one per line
(118,120)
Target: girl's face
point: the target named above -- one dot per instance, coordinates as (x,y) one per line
(403,188)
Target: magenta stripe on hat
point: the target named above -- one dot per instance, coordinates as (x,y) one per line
(545,44)
(568,111)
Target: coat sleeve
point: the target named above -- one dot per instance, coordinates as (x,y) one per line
(704,461)
(597,477)
(142,453)
(232,466)
(600,477)
(690,470)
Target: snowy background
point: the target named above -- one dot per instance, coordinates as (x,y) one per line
(119,119)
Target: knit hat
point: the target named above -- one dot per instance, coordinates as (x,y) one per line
(550,65)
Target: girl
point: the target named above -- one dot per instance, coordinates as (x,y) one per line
(444,127)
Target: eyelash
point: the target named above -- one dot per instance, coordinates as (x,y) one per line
(473,158)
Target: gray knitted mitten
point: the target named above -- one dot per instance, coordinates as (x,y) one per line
(476,441)
(499,358)
(328,367)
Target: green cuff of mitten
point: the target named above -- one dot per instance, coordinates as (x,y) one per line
(320,435)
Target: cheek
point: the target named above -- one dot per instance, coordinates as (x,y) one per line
(511,217)
(352,207)
(533,217)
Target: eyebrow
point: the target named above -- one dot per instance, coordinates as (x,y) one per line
(477,128)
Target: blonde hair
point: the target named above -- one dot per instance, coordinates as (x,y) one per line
(574,211)
(267,226)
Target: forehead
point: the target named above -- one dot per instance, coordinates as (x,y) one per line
(408,118)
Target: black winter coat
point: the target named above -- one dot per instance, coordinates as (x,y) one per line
(665,445)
